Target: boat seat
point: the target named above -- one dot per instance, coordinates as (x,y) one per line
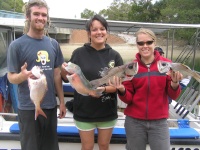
(184,133)
(175,133)
(71,130)
(68,89)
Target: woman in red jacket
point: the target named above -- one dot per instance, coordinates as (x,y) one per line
(146,96)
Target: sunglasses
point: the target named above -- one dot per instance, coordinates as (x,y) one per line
(147,43)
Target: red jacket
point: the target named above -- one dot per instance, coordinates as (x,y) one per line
(147,93)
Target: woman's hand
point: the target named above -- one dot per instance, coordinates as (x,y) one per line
(64,65)
(176,77)
(117,83)
(64,72)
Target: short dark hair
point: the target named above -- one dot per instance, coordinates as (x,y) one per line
(98,18)
(159,50)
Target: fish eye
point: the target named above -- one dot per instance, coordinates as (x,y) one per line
(130,66)
(164,64)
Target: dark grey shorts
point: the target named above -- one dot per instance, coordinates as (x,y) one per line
(40,134)
(142,132)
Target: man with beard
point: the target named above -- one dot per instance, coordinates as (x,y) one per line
(36,49)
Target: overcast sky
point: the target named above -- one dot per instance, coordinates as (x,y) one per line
(73,8)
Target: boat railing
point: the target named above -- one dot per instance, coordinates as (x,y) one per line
(189,101)
(8,114)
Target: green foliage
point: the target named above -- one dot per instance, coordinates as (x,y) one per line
(87,14)
(180,11)
(143,12)
(164,11)
(11,5)
(119,10)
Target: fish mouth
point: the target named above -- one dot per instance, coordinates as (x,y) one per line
(70,72)
(34,77)
(129,75)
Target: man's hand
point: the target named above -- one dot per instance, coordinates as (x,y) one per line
(63,111)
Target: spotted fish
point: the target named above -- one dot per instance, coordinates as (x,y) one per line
(125,72)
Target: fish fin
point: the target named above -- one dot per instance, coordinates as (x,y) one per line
(83,94)
(187,67)
(105,71)
(38,112)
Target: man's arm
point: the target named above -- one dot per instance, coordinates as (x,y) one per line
(17,78)
(59,91)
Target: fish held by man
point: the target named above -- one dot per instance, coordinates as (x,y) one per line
(164,66)
(38,89)
(79,82)
(125,72)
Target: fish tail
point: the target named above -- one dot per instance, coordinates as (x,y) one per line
(99,92)
(38,112)
(196,76)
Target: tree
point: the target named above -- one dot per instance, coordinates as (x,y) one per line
(165,11)
(11,5)
(118,10)
(143,11)
(180,11)
(87,13)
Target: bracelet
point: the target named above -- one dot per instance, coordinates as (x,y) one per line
(104,89)
(174,81)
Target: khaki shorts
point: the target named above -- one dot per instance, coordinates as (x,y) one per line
(88,126)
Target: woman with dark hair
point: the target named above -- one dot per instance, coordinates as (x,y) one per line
(94,112)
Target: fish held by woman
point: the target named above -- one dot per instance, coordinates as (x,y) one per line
(79,82)
(125,72)
(38,89)
(164,66)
